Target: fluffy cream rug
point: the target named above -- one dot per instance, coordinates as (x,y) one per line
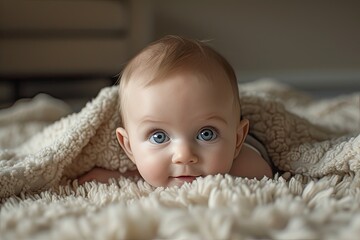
(316,144)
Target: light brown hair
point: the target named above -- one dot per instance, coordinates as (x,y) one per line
(169,54)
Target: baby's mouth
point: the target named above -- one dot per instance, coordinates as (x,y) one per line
(185,178)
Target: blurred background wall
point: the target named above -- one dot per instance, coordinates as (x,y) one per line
(311,45)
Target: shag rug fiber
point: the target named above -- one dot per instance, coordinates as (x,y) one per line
(315,143)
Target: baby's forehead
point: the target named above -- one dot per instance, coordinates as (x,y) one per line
(181,85)
(209,88)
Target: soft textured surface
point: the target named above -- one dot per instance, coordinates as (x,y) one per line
(316,144)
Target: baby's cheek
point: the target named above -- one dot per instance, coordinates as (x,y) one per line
(220,161)
(221,168)
(153,172)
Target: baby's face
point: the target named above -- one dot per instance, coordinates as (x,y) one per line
(181,128)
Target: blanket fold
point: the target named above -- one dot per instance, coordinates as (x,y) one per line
(299,139)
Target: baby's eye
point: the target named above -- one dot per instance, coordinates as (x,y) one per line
(207,134)
(159,137)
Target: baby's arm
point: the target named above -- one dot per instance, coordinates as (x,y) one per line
(250,164)
(103,175)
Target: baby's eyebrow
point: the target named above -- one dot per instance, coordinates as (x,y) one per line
(216,118)
(149,119)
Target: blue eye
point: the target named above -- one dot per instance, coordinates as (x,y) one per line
(158,137)
(207,134)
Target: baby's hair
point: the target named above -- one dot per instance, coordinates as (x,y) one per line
(171,53)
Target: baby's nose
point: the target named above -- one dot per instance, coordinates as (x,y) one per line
(183,154)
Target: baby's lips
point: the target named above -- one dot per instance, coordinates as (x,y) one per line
(186,178)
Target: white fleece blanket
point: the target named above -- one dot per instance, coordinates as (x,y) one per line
(316,144)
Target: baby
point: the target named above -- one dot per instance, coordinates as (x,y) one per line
(180,108)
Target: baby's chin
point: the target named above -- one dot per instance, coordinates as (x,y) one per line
(174,181)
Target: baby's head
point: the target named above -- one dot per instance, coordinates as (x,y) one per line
(180,109)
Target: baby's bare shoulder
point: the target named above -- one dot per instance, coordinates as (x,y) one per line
(250,164)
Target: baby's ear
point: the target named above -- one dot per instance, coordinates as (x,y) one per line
(124,142)
(241,133)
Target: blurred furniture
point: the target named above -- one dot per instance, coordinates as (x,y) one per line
(69,49)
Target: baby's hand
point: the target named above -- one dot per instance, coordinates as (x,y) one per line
(103,175)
